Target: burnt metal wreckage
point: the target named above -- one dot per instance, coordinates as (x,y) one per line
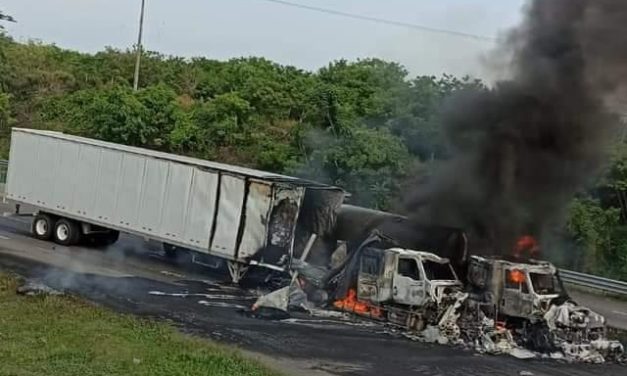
(373,264)
(492,305)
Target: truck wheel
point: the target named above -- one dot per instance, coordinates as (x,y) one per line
(66,232)
(42,226)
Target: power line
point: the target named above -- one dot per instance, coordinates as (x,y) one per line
(429,29)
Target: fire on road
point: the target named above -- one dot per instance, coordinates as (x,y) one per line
(122,277)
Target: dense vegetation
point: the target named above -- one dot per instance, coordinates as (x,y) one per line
(363,125)
(360,125)
(63,336)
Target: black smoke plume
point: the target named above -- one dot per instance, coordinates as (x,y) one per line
(522,149)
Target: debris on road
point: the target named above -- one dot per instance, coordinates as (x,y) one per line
(193,295)
(36,288)
(290,296)
(515,307)
(210,303)
(172,274)
(580,334)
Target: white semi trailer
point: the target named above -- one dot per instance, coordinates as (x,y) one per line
(87,189)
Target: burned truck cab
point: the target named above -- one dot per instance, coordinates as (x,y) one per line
(404,277)
(515,289)
(381,280)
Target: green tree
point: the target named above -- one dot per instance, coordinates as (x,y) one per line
(5,112)
(162,114)
(366,89)
(117,114)
(595,230)
(601,231)
(5,68)
(418,118)
(367,162)
(6,120)
(114,115)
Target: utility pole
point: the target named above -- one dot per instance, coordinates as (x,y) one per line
(139,47)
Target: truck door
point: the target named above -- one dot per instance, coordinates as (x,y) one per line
(409,284)
(517,300)
(369,270)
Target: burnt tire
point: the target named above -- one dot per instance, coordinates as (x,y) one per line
(42,226)
(66,232)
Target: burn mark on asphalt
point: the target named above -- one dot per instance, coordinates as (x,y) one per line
(323,345)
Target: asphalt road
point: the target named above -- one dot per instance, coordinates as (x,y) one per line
(131,277)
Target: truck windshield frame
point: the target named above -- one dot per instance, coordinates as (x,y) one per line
(436,271)
(545,283)
(408,267)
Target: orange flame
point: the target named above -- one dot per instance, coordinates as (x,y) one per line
(351,304)
(525,244)
(517,276)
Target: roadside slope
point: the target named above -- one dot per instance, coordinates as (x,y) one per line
(60,335)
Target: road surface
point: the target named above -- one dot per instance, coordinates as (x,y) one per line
(133,278)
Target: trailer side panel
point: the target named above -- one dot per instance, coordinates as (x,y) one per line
(200,209)
(175,205)
(228,211)
(230,206)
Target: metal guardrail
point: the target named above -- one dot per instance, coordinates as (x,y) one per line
(594,282)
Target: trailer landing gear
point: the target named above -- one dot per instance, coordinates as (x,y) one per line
(237,270)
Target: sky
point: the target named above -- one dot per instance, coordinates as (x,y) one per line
(223,29)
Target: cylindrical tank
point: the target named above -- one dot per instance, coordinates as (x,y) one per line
(355,224)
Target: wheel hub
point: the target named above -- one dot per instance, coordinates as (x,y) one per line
(62,232)
(41,227)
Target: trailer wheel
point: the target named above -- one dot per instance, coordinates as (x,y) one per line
(66,232)
(42,226)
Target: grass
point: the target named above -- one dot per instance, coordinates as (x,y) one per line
(60,335)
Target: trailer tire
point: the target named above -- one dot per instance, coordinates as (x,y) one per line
(42,226)
(66,232)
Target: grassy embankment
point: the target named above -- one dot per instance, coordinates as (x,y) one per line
(51,335)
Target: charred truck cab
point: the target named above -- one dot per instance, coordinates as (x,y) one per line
(409,288)
(530,299)
(404,277)
(516,290)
